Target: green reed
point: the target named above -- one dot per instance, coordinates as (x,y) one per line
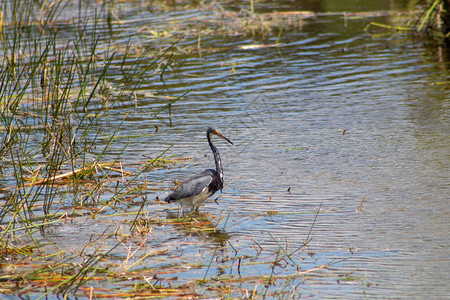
(433,19)
(55,96)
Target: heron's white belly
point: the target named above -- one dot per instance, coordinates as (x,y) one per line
(197,200)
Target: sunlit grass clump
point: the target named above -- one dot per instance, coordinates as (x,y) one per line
(57,90)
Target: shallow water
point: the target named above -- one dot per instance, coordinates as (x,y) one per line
(329,117)
(285,108)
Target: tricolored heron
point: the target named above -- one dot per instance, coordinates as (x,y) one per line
(194,191)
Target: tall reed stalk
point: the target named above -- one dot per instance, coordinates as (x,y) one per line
(435,19)
(55,95)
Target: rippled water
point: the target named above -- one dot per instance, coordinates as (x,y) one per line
(285,108)
(330,116)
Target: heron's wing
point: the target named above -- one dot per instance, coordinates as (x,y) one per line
(191,187)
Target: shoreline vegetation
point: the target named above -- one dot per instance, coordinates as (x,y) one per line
(61,75)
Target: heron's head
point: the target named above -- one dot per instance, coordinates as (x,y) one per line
(217,132)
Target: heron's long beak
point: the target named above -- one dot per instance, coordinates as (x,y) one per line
(217,132)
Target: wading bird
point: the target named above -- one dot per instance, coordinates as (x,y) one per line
(194,191)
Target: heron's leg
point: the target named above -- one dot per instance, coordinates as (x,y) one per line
(195,207)
(181,213)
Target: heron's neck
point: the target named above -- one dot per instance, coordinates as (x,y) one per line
(217,159)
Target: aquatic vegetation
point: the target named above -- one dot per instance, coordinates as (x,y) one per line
(435,19)
(432,20)
(56,97)
(90,270)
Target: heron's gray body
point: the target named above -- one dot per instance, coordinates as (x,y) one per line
(194,191)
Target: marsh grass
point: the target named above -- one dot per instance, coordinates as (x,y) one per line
(56,95)
(434,20)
